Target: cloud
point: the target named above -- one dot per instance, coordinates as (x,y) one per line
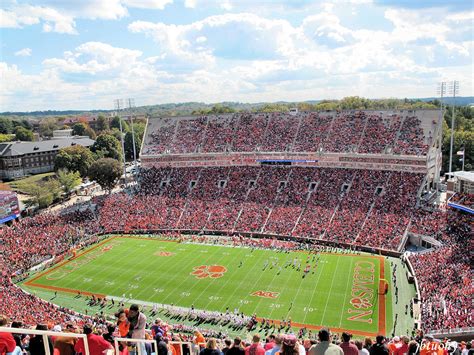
(191,4)
(94,58)
(250,57)
(59,15)
(148,4)
(242,36)
(26,15)
(25,52)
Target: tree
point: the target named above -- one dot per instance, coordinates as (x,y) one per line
(68,180)
(90,133)
(75,158)
(128,143)
(22,123)
(115,123)
(6,137)
(6,125)
(47,126)
(116,133)
(41,194)
(53,186)
(109,145)
(106,172)
(102,123)
(79,129)
(22,134)
(139,130)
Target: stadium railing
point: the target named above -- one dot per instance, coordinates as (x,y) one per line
(138,341)
(178,347)
(45,334)
(468,332)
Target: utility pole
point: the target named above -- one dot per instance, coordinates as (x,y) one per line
(118,106)
(131,105)
(454,89)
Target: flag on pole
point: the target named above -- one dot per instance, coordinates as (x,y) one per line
(461,152)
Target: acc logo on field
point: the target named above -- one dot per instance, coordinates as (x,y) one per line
(212,271)
(265,294)
(164,253)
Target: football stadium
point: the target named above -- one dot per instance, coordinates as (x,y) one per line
(257,223)
(296,177)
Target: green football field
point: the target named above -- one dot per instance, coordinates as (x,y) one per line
(340,291)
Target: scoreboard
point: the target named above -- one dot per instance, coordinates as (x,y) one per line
(9,207)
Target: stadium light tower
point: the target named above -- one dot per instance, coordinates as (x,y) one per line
(131,105)
(454,90)
(441,91)
(118,103)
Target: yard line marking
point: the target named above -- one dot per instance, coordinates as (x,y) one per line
(229,279)
(244,279)
(316,288)
(345,293)
(330,289)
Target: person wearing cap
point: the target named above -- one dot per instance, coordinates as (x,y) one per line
(403,348)
(325,347)
(394,345)
(65,344)
(346,345)
(256,348)
(97,344)
(379,347)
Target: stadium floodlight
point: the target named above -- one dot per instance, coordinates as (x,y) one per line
(131,105)
(454,90)
(441,92)
(118,103)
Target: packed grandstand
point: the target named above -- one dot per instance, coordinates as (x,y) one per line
(347,179)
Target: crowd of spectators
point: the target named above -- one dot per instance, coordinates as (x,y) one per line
(411,139)
(445,276)
(464,199)
(185,340)
(346,131)
(340,205)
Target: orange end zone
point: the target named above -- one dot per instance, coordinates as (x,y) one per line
(382,320)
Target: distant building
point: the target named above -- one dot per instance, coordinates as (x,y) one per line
(89,120)
(61,133)
(18,159)
(460,191)
(9,206)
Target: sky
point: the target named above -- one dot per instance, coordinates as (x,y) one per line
(83,54)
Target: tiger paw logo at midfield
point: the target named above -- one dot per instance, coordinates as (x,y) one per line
(212,271)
